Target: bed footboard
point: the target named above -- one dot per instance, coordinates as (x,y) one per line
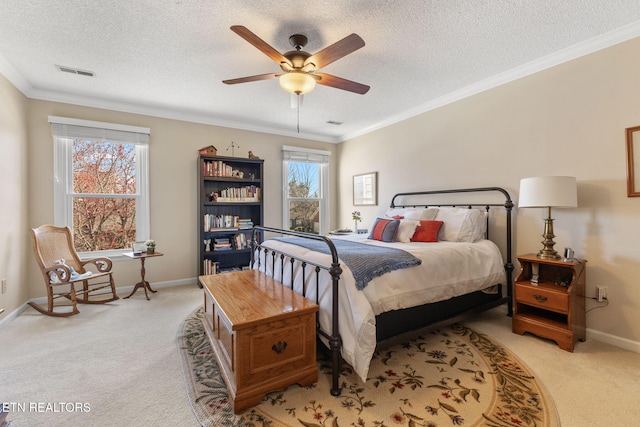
(279,261)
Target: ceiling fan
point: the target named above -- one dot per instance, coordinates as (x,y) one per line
(299,68)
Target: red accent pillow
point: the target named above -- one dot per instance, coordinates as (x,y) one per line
(384,229)
(397,217)
(427,231)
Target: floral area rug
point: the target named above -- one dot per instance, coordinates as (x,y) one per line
(452,376)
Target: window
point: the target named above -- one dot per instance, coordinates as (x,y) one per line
(101,183)
(306,183)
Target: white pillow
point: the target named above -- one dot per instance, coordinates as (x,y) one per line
(424,214)
(461,224)
(405,230)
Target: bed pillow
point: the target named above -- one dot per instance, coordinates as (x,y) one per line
(427,231)
(461,224)
(413,213)
(405,230)
(384,229)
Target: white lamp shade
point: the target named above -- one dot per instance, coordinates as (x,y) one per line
(297,82)
(548,191)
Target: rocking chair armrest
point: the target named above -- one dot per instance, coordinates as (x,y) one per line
(103,264)
(62,272)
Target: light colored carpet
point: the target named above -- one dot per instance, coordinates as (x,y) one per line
(122,360)
(447,376)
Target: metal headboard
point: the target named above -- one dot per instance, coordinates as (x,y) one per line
(507,204)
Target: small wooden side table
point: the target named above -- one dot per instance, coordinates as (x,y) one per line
(143,283)
(549,298)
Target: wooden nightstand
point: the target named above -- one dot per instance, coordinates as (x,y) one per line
(554,307)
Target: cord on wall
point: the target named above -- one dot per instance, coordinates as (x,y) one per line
(604,302)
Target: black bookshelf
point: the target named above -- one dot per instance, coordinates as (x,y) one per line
(230,202)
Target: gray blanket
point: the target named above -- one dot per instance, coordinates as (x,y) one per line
(366,262)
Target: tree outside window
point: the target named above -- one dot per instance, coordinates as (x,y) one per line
(101,183)
(304,192)
(306,183)
(104,181)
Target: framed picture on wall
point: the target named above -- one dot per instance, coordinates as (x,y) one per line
(365,189)
(633,161)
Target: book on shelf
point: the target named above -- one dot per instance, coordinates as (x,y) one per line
(245,224)
(217,168)
(213,222)
(249,193)
(222,244)
(240,241)
(210,267)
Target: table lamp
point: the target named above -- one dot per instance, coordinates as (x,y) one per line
(548,192)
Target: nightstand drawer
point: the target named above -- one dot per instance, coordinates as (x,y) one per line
(543,298)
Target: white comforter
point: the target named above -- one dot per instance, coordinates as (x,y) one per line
(448,269)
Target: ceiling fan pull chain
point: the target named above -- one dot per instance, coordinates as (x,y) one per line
(298,113)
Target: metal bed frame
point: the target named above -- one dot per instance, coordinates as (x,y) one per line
(395,322)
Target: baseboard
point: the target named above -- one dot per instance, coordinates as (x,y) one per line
(120,290)
(158,285)
(15,313)
(614,340)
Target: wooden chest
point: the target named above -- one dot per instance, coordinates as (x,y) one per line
(263,334)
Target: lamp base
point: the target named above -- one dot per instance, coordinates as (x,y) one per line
(548,255)
(547,252)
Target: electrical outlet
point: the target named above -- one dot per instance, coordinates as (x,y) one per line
(601,293)
(4,285)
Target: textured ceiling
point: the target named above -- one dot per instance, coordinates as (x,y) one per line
(168,58)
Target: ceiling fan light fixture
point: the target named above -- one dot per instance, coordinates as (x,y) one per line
(297,82)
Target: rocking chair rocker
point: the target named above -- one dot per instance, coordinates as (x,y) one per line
(62,270)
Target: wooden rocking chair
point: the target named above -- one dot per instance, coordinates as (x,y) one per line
(62,270)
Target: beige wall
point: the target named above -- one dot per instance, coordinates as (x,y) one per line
(173,152)
(568,120)
(13,195)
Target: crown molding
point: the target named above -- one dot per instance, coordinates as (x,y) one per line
(146,110)
(595,44)
(578,50)
(7,70)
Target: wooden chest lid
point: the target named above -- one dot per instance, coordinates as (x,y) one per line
(249,297)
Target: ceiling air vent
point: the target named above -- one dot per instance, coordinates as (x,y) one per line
(71,70)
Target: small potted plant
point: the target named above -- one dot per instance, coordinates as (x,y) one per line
(151,246)
(356,217)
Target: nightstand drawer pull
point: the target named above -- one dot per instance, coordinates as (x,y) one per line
(540,298)
(279,347)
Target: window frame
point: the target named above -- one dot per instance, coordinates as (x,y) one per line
(63,194)
(306,155)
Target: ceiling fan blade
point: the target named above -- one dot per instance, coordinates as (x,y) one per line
(340,83)
(335,51)
(251,78)
(265,48)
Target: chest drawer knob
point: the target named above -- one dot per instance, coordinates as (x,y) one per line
(540,298)
(279,347)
